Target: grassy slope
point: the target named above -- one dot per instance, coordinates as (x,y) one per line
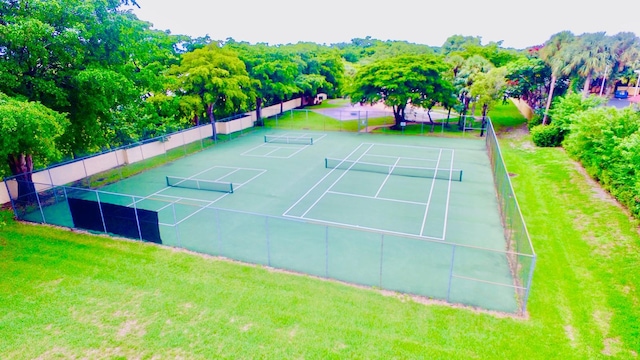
(69,295)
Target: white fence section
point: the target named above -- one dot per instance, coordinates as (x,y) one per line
(82,168)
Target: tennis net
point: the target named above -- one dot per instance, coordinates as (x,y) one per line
(414,171)
(288,139)
(200,184)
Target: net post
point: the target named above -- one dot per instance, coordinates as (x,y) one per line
(265,138)
(311,139)
(168,183)
(460,175)
(326,163)
(230,188)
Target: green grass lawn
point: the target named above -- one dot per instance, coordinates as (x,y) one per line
(70,295)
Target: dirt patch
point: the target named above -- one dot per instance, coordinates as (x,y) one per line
(570,335)
(597,190)
(611,347)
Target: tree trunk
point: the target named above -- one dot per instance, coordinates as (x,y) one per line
(485,107)
(398,115)
(448,117)
(21,167)
(212,120)
(549,98)
(433,124)
(465,107)
(586,89)
(258,112)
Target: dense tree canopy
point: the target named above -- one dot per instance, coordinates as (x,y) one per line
(410,79)
(118,81)
(214,82)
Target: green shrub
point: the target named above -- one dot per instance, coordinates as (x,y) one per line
(547,135)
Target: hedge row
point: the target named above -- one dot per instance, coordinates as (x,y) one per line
(607,143)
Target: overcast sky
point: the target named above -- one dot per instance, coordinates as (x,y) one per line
(518,24)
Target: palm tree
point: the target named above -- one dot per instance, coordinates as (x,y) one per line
(554,53)
(591,55)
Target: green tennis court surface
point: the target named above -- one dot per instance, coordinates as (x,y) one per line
(417,215)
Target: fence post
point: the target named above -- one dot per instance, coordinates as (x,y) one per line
(326,252)
(266,230)
(219,231)
(135,210)
(528,288)
(104,224)
(13,205)
(35,190)
(175,224)
(86,175)
(453,256)
(381,258)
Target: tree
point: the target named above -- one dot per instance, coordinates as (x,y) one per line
(590,56)
(398,81)
(458,43)
(29,132)
(555,54)
(526,80)
(214,81)
(487,89)
(472,66)
(273,71)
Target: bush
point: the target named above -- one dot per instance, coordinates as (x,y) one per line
(535,121)
(547,135)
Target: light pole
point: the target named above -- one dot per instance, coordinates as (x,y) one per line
(637,82)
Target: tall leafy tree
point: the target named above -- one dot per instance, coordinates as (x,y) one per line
(274,73)
(214,82)
(29,132)
(526,80)
(555,54)
(398,81)
(589,56)
(488,88)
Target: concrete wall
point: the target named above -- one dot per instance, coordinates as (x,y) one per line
(80,169)
(524,108)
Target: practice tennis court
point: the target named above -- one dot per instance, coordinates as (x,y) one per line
(411,214)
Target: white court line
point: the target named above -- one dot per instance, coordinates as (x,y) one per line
(387,178)
(335,182)
(413,147)
(446,209)
(318,183)
(357,227)
(168,187)
(378,198)
(239,185)
(402,157)
(433,183)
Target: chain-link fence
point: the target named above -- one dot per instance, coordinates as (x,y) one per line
(438,270)
(523,257)
(435,269)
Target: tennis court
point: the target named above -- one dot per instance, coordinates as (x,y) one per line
(412,214)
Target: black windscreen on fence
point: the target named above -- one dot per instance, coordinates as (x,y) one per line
(118,219)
